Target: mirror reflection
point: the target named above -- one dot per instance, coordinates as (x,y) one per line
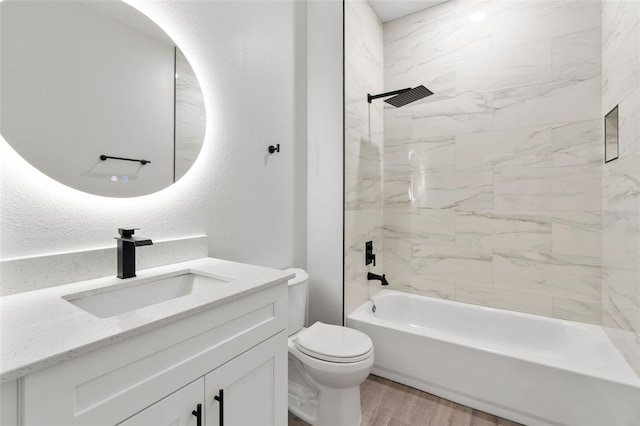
(85,79)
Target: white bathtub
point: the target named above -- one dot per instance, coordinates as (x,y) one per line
(526,368)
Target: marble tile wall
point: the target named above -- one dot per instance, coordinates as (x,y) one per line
(363,150)
(492,186)
(621,179)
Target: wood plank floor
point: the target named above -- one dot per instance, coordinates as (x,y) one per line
(386,403)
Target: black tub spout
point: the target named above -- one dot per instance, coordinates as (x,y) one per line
(382,278)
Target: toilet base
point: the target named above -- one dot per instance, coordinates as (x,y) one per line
(337,407)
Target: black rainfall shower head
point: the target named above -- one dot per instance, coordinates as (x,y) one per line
(404,96)
(409,96)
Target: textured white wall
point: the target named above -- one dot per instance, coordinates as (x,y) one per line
(250,59)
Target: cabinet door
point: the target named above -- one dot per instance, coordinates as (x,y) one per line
(174,410)
(251,389)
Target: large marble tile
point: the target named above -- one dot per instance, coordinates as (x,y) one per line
(361,78)
(363,172)
(568,277)
(452,264)
(397,126)
(621,70)
(468,112)
(427,287)
(419,24)
(618,19)
(578,143)
(627,342)
(555,188)
(522,22)
(621,238)
(364,40)
(573,310)
(629,123)
(621,288)
(505,68)
(554,101)
(509,300)
(454,38)
(428,155)
(356,113)
(420,226)
(397,57)
(577,233)
(516,148)
(623,183)
(504,230)
(622,333)
(577,55)
(397,256)
(397,190)
(459,190)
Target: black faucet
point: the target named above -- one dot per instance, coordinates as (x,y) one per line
(382,278)
(127,244)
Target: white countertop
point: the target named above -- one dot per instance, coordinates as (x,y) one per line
(40,329)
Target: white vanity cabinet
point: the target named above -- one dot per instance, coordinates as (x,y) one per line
(245,391)
(160,376)
(248,398)
(176,409)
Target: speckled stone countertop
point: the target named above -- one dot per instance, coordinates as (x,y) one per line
(40,328)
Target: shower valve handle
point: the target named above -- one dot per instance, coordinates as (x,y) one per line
(369,256)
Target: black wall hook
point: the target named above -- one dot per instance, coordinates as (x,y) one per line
(273,149)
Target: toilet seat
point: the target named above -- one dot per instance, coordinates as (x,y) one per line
(334,343)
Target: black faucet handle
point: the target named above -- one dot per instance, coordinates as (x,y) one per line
(127,232)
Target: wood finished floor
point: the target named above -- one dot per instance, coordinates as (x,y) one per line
(386,403)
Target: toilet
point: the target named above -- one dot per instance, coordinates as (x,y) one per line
(327,363)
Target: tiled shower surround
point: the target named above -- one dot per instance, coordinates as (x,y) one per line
(493,191)
(492,185)
(621,179)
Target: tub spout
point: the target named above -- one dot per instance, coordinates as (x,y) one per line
(382,278)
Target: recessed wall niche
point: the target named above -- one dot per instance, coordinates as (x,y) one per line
(611,135)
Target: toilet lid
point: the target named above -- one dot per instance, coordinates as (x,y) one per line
(334,343)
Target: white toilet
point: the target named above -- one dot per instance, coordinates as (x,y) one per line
(327,363)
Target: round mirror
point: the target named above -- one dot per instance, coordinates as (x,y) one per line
(97,96)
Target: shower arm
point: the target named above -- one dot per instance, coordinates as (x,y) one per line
(385,95)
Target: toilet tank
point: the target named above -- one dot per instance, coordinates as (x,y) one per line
(298,300)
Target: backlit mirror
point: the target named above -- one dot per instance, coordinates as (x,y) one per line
(611,135)
(85,80)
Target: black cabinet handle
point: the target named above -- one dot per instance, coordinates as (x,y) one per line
(220,399)
(198,413)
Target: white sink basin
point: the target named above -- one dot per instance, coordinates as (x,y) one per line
(128,296)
